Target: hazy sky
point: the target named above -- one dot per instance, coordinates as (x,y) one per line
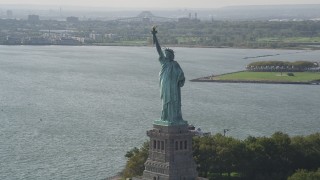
(158,3)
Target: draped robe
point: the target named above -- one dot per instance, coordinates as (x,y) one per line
(171,80)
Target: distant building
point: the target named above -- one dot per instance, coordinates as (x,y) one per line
(11,40)
(95,36)
(184,19)
(33,18)
(72,19)
(68,41)
(110,35)
(189,18)
(37,41)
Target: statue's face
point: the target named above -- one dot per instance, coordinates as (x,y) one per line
(169,55)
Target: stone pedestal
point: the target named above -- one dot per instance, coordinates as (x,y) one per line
(170,154)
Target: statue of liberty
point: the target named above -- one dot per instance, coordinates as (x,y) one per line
(171,80)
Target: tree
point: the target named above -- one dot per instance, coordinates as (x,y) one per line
(303,174)
(203,153)
(255,158)
(269,157)
(218,154)
(306,152)
(136,159)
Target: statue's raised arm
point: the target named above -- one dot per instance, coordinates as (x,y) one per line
(156,42)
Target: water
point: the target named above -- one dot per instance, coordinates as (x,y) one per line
(73,112)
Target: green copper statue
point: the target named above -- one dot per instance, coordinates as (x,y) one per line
(171,80)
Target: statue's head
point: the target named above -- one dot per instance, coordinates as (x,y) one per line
(169,53)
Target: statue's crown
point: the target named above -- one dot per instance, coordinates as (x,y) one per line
(170,50)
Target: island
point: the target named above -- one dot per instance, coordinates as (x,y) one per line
(271,72)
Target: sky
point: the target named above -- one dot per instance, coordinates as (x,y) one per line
(156,3)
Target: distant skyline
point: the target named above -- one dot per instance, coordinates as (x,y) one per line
(155,3)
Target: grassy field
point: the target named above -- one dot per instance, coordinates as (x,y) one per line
(269,76)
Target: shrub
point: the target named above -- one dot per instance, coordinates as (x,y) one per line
(305,175)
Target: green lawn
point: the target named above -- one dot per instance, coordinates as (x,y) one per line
(269,76)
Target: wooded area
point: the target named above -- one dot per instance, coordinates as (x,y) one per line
(255,158)
(271,66)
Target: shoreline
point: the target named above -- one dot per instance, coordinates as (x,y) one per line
(254,82)
(174,46)
(209,79)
